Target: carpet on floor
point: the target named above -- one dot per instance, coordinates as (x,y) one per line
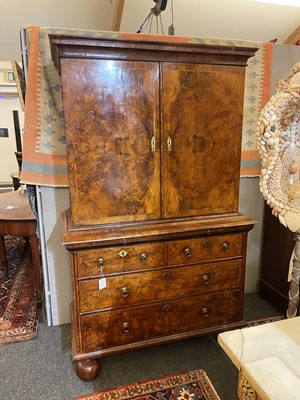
(18,300)
(193,385)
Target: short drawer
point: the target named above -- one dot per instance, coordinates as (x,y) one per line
(106,330)
(120,259)
(168,283)
(205,248)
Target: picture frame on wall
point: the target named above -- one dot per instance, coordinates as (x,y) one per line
(20,82)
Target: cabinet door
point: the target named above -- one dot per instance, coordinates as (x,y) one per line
(112,117)
(202,110)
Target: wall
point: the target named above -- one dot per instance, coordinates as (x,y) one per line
(8,103)
(90,14)
(251,203)
(230,19)
(233,19)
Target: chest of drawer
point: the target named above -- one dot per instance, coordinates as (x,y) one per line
(119,259)
(125,326)
(205,248)
(145,287)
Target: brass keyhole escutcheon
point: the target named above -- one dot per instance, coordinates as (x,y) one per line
(166,308)
(123,253)
(126,327)
(169,144)
(101,262)
(153,143)
(187,251)
(225,246)
(144,257)
(206,243)
(205,279)
(125,291)
(205,312)
(166,275)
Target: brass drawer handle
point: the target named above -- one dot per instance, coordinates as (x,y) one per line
(225,246)
(187,251)
(207,243)
(101,262)
(123,253)
(126,327)
(125,291)
(205,312)
(144,257)
(205,279)
(166,308)
(166,275)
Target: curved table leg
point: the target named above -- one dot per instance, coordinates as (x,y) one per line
(36,265)
(3,260)
(88,370)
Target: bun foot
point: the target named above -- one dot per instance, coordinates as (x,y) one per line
(87,370)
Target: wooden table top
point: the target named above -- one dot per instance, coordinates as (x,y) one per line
(14,206)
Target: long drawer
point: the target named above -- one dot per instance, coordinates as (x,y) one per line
(120,259)
(205,248)
(145,287)
(107,329)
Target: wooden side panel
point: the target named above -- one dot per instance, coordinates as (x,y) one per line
(111,116)
(277,251)
(201,143)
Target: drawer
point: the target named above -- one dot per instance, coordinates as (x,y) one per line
(205,248)
(106,330)
(168,283)
(120,259)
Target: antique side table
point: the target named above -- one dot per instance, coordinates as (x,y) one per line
(17,219)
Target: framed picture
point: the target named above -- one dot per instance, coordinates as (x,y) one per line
(20,82)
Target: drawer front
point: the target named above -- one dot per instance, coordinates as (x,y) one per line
(204,249)
(145,287)
(106,330)
(120,259)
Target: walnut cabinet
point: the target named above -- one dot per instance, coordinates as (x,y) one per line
(158,247)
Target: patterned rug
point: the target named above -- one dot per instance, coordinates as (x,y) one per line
(193,385)
(263,321)
(18,308)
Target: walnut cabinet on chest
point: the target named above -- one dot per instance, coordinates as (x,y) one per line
(157,244)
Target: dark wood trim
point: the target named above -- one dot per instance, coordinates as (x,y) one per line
(64,46)
(103,235)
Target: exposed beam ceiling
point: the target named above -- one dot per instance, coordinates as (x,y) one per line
(118,15)
(294,37)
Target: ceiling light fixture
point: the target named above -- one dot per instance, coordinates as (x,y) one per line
(160,5)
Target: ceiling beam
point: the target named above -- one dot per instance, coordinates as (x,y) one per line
(294,37)
(118,15)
